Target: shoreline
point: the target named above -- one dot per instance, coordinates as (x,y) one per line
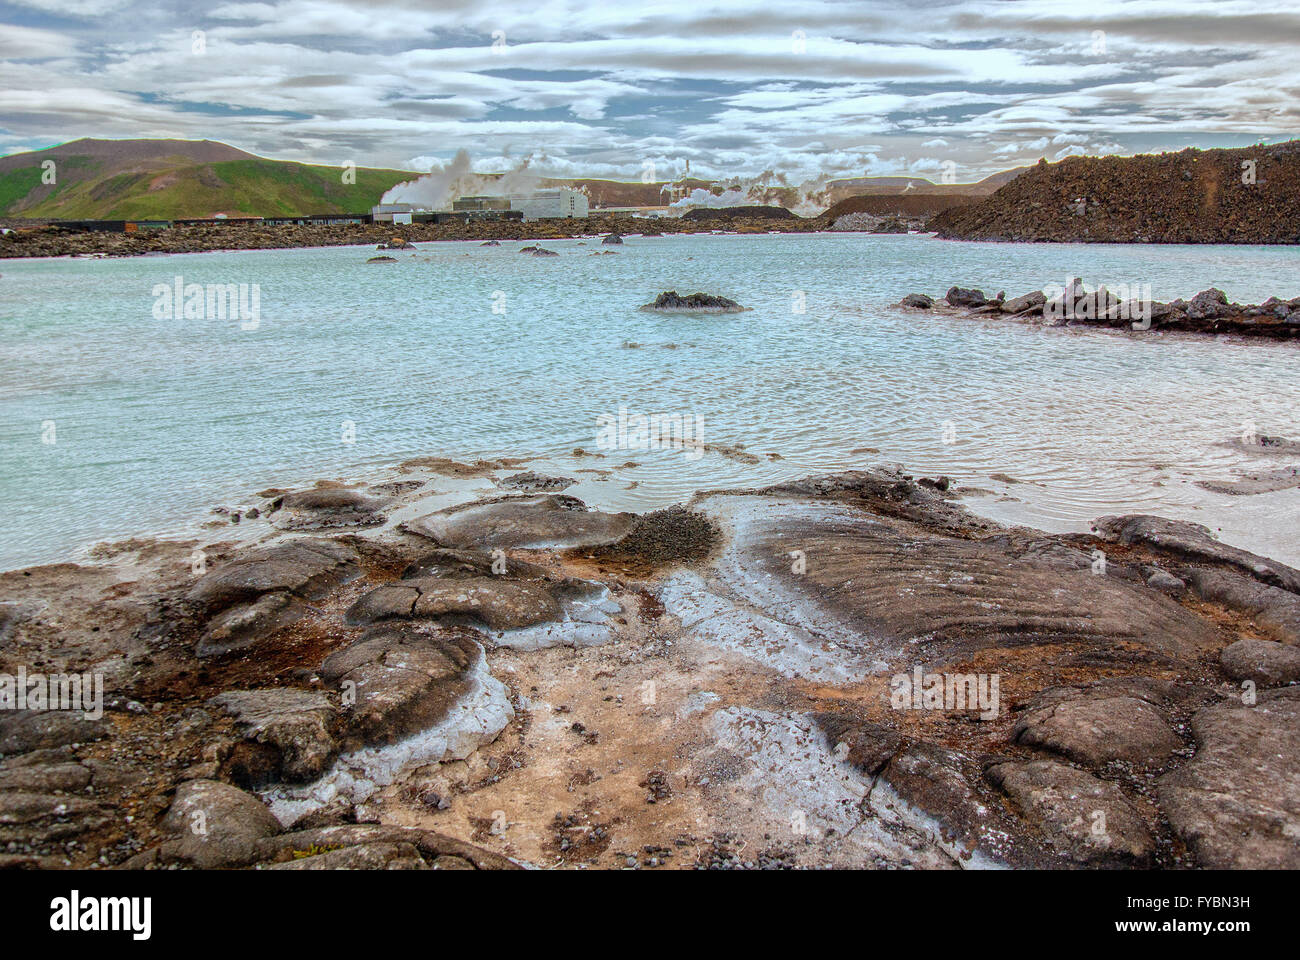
(45,243)
(985,491)
(545,622)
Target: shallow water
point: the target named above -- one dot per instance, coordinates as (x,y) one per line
(156,421)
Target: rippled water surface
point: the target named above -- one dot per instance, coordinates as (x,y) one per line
(157,421)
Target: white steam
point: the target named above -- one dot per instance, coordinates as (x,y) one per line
(456,178)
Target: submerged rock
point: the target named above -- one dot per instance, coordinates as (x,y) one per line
(959,297)
(534,522)
(532,482)
(1270,481)
(324,508)
(672,302)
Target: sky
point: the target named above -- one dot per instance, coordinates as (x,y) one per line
(804,89)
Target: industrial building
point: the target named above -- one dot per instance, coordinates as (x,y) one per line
(391,213)
(479,204)
(557,203)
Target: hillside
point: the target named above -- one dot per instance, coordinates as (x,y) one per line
(1193,196)
(840,190)
(165,179)
(899,205)
(728,213)
(618,193)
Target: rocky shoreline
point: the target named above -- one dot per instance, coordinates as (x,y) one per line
(52,241)
(375,678)
(1208,312)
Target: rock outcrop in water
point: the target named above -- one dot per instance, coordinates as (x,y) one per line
(672,302)
(1072,304)
(846,670)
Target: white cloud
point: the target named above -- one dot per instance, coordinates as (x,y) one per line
(586,87)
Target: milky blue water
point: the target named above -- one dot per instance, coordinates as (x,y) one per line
(156,421)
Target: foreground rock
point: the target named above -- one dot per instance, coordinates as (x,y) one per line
(265,588)
(1097,730)
(404,680)
(1087,820)
(843,670)
(214,825)
(1237,803)
(1264,662)
(289,734)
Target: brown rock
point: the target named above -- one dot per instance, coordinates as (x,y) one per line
(405,680)
(1097,730)
(298,724)
(1237,802)
(214,824)
(1086,820)
(1267,663)
(555,521)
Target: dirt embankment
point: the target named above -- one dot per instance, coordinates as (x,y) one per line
(1246,195)
(902,205)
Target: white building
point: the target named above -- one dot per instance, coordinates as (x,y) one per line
(561,202)
(548,204)
(391,212)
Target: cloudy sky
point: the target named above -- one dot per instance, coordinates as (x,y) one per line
(808,89)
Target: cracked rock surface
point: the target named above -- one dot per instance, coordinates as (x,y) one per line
(844,670)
